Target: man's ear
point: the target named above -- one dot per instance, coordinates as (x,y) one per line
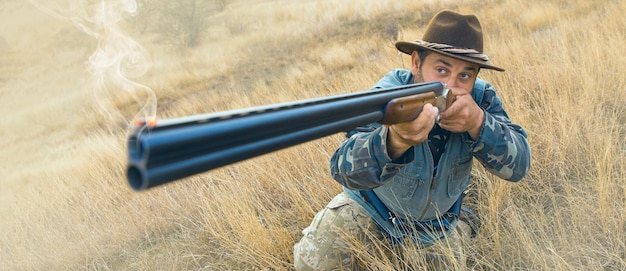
(415,64)
(415,60)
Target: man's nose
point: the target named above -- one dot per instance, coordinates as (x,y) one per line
(451,81)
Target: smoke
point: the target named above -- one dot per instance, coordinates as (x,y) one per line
(117,59)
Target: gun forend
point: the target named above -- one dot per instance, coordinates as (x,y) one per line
(407,108)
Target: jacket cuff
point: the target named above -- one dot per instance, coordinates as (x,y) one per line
(407,157)
(478,144)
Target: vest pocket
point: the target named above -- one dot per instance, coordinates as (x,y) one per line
(405,182)
(460,176)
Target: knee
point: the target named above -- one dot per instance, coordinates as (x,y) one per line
(301,260)
(311,255)
(323,245)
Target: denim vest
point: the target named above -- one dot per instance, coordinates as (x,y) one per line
(414,194)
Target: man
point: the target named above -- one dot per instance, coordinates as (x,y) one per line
(404,182)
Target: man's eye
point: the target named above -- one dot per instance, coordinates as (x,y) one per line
(466,76)
(440,70)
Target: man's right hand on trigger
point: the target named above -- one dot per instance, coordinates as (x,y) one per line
(402,136)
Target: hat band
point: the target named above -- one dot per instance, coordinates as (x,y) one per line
(454,50)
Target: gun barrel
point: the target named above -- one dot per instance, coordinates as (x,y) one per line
(178,148)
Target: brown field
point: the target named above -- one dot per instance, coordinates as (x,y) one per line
(65,203)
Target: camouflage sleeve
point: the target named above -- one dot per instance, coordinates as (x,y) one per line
(502,146)
(362,162)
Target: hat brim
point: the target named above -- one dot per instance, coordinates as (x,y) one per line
(408,48)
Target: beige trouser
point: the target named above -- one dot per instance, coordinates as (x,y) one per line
(343,236)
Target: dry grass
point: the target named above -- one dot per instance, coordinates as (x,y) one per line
(65,204)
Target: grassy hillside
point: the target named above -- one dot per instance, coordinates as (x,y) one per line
(65,203)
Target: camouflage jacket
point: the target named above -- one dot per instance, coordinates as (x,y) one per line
(407,186)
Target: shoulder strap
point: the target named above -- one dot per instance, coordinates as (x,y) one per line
(380,207)
(383,211)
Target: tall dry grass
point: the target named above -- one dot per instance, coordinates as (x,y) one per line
(66,205)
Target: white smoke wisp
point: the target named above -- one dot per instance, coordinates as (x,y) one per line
(118,57)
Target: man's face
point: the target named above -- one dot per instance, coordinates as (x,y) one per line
(450,71)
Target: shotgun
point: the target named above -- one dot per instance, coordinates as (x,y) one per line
(177,148)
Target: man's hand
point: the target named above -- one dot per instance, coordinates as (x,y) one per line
(464,115)
(403,136)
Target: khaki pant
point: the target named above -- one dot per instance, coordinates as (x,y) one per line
(343,236)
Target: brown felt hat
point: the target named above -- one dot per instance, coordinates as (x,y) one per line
(455,35)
